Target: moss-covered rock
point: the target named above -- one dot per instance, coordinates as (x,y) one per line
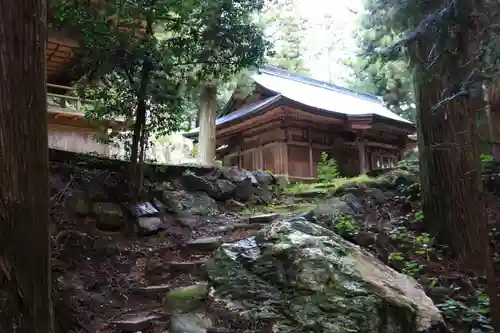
(109,216)
(186,298)
(306,278)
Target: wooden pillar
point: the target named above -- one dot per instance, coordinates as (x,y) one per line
(261,157)
(363,165)
(311,165)
(284,158)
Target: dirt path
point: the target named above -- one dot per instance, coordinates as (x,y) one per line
(111,282)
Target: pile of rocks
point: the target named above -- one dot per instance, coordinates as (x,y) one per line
(189,195)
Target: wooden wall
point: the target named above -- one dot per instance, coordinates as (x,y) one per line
(75,139)
(293,147)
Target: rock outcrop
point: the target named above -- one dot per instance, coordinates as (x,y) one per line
(189,194)
(303,277)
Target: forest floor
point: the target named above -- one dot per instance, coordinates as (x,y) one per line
(118,281)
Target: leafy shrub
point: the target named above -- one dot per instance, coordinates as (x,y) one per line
(487,158)
(475,316)
(327,168)
(345,226)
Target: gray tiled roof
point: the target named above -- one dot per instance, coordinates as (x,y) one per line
(322,95)
(312,93)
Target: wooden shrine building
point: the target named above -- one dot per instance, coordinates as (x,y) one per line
(289,120)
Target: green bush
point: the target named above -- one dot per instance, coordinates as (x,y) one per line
(327,168)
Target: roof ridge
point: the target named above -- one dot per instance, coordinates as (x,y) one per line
(286,74)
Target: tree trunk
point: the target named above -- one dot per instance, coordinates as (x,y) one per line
(25,279)
(453,203)
(208,114)
(140,120)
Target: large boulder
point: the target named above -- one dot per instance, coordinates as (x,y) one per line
(331,207)
(237,175)
(265,179)
(109,216)
(191,203)
(244,190)
(305,278)
(193,183)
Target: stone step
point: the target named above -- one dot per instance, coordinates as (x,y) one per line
(205,244)
(218,330)
(135,322)
(154,289)
(242,226)
(263,218)
(178,265)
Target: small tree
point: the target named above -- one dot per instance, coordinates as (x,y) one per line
(224,41)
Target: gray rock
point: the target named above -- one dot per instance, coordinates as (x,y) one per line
(186,265)
(143,209)
(190,323)
(332,207)
(353,202)
(150,225)
(109,216)
(205,244)
(134,322)
(300,275)
(193,183)
(377,194)
(235,205)
(264,195)
(263,218)
(237,175)
(184,299)
(195,203)
(226,189)
(265,179)
(156,289)
(244,190)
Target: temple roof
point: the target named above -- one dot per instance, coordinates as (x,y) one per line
(329,98)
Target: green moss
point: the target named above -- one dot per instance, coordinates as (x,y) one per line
(186,298)
(341,184)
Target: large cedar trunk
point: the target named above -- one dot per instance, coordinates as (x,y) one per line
(25,281)
(208,115)
(453,202)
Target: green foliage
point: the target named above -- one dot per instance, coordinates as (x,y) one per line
(127,63)
(285,29)
(474,316)
(410,267)
(373,73)
(487,158)
(327,168)
(345,226)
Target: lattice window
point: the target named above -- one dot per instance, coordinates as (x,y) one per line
(383,161)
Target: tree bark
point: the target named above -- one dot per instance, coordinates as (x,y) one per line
(140,125)
(453,202)
(208,115)
(25,277)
